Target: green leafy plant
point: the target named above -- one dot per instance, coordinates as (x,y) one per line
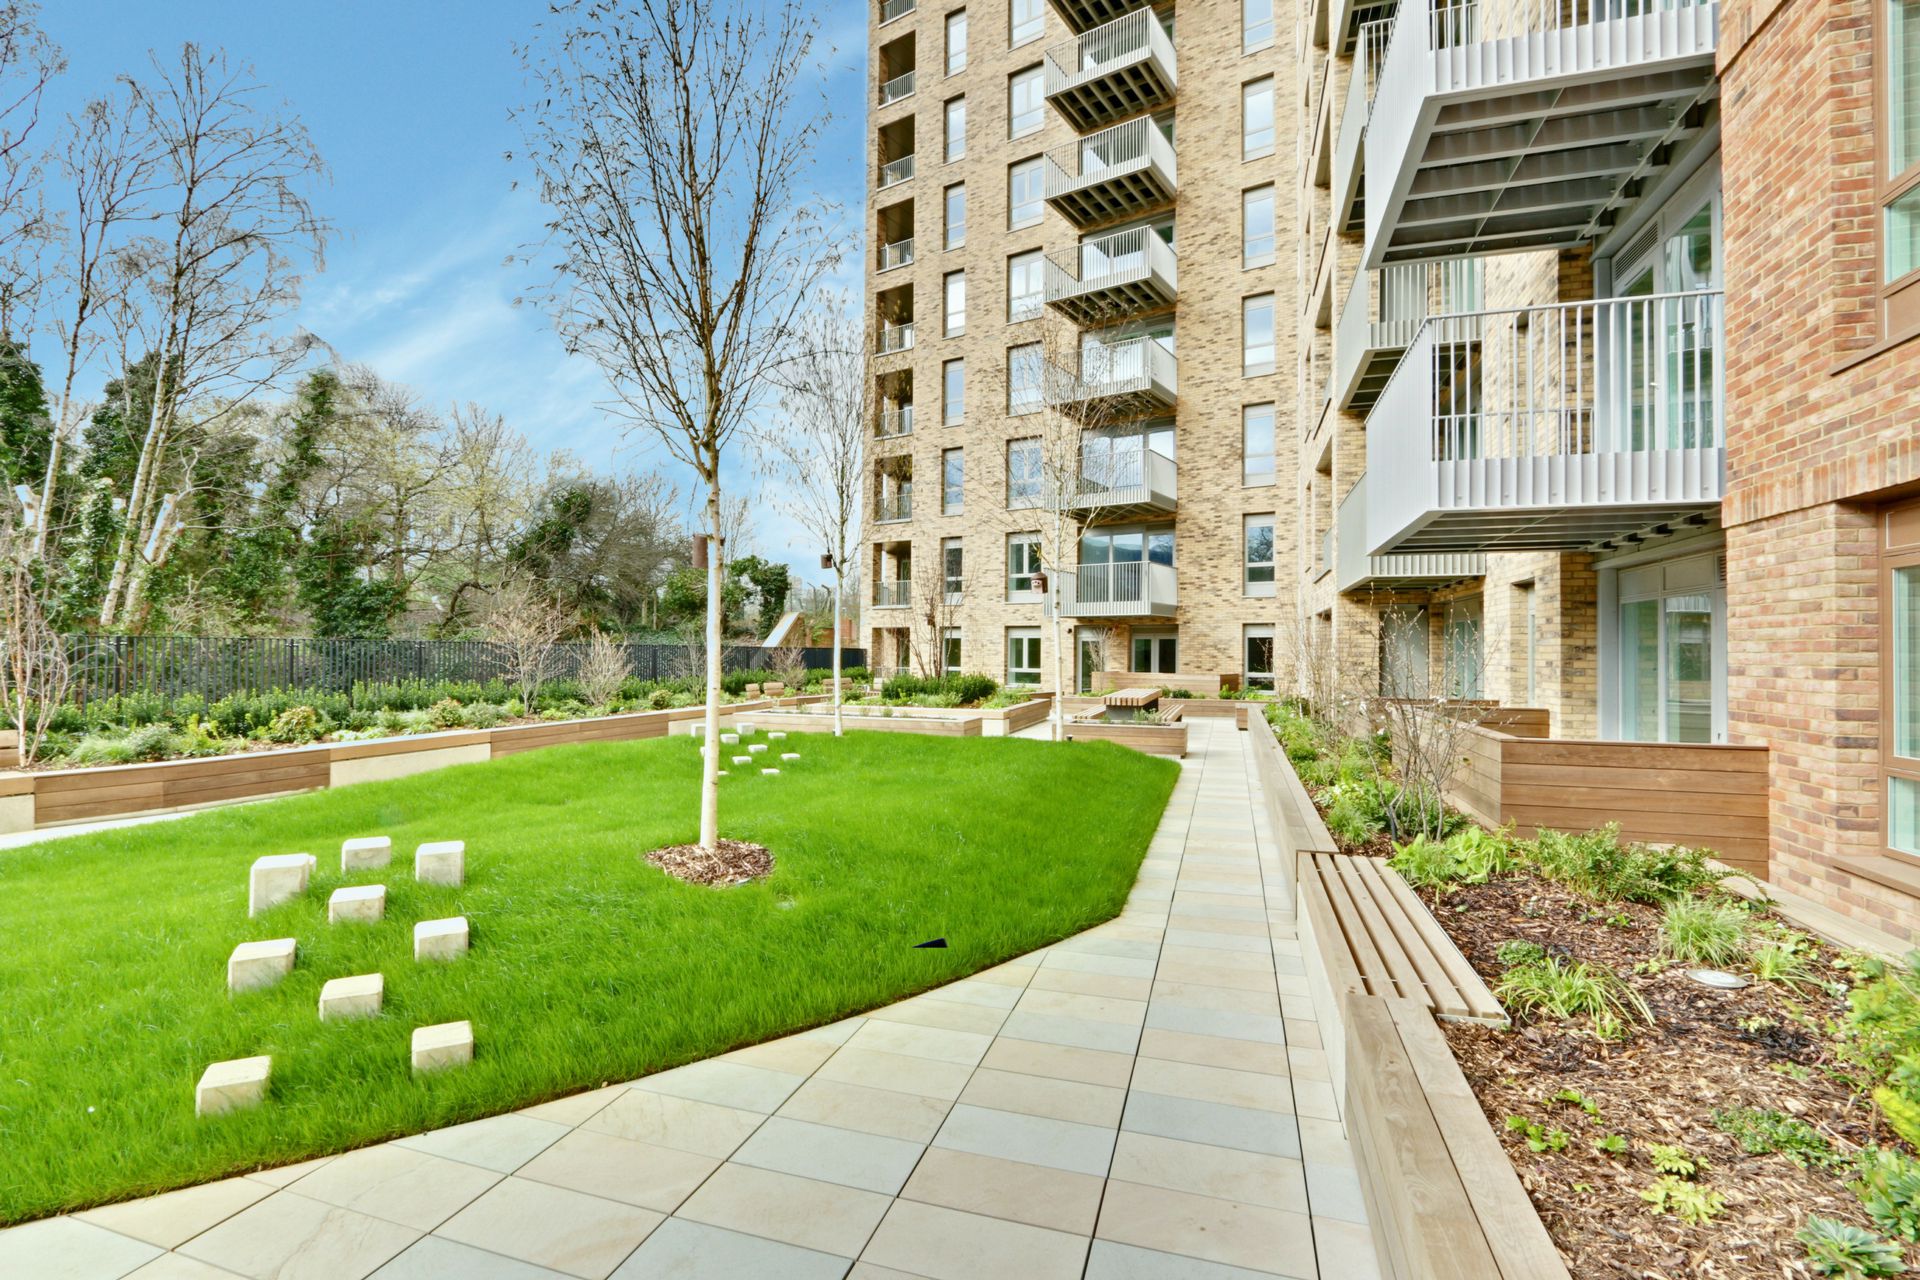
(1479,854)
(1575,1098)
(1612,1144)
(1703,931)
(1596,865)
(1765,1132)
(1564,991)
(1688,1201)
(1424,864)
(1539,1138)
(296,724)
(1850,1252)
(1888,1185)
(1518,951)
(1672,1158)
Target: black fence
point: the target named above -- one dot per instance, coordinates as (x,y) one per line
(213,667)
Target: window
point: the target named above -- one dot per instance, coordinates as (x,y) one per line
(1463,654)
(1256,444)
(1256,648)
(1256,118)
(1257,534)
(1027,21)
(1023,655)
(1256,335)
(953,476)
(1025,193)
(953,391)
(1023,561)
(1403,653)
(1897,98)
(956,129)
(1024,366)
(1023,473)
(1256,24)
(1528,685)
(1256,227)
(1671,672)
(956,295)
(950,648)
(1027,102)
(1026,292)
(956,215)
(1157,651)
(953,568)
(956,41)
(1900,709)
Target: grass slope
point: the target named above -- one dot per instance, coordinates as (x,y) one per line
(588,965)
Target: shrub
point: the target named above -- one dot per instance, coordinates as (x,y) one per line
(483,715)
(1879,1039)
(1703,931)
(1596,865)
(964,688)
(1564,991)
(296,724)
(1424,864)
(98,748)
(1889,1190)
(1841,1249)
(447,714)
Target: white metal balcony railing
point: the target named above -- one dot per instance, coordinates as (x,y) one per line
(1125,476)
(893,595)
(894,337)
(1126,271)
(895,89)
(889,508)
(894,423)
(891,9)
(1527,125)
(1349,176)
(895,172)
(1353,567)
(1139,369)
(1119,68)
(1549,428)
(1383,311)
(1125,590)
(1325,560)
(1127,168)
(897,254)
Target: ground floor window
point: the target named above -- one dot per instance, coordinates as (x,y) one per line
(950,649)
(1900,659)
(1256,648)
(1670,641)
(1465,654)
(1157,651)
(1023,655)
(1404,662)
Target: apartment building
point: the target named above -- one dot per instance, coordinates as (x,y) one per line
(1081,224)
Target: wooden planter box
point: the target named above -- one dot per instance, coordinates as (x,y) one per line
(1154,739)
(956,725)
(1235,708)
(1000,722)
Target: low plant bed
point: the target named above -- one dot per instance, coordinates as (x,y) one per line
(587,964)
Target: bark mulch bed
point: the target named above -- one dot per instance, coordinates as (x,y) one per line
(735,862)
(1761,1047)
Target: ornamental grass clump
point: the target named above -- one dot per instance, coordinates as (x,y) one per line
(1704,931)
(1565,991)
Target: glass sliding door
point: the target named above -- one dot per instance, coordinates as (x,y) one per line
(1670,653)
(1156,651)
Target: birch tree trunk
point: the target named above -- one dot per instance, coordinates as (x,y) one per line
(710,764)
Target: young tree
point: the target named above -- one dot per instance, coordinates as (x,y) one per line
(818,449)
(938,593)
(667,143)
(526,626)
(221,268)
(604,668)
(34,673)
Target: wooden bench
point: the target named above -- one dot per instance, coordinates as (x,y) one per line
(1443,1200)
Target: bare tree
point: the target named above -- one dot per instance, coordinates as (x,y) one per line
(604,669)
(819,448)
(28,63)
(938,594)
(526,626)
(667,144)
(34,673)
(223,266)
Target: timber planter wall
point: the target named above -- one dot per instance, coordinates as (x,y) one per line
(1153,739)
(957,725)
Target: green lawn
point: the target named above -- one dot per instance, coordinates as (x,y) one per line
(588,965)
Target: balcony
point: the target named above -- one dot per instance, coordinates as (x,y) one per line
(1383,311)
(1351,18)
(891,9)
(894,337)
(1127,273)
(895,423)
(893,595)
(895,172)
(1349,175)
(901,86)
(1121,379)
(1118,172)
(1529,127)
(894,508)
(1113,71)
(897,254)
(1126,481)
(1354,568)
(1549,428)
(1133,589)
(1085,15)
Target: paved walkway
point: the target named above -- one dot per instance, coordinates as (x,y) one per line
(1146,1100)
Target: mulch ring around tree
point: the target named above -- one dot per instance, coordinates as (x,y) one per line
(1760,1047)
(734,862)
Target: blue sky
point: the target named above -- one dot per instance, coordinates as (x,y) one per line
(407,100)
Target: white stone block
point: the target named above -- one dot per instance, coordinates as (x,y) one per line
(789,755)
(757,748)
(776,734)
(260,964)
(355,997)
(743,760)
(441,862)
(445,1044)
(440,939)
(744,727)
(357,904)
(272,880)
(232,1085)
(730,739)
(770,771)
(365,853)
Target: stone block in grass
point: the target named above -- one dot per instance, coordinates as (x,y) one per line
(366,853)
(232,1085)
(443,1045)
(756,748)
(260,964)
(441,862)
(357,904)
(742,760)
(789,755)
(770,771)
(440,939)
(276,878)
(355,997)
(776,734)
(730,739)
